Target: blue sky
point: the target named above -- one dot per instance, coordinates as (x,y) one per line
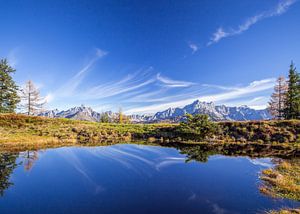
(146,56)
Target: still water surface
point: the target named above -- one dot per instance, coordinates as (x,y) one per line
(128,178)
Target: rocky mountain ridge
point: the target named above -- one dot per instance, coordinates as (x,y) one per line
(215,112)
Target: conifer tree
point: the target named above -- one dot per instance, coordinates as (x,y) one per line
(104,118)
(32,102)
(292,102)
(8,89)
(277,102)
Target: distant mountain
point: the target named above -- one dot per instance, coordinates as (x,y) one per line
(76,113)
(137,118)
(215,112)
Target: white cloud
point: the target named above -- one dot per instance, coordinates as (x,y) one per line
(280,9)
(168,161)
(145,91)
(173,83)
(141,86)
(264,162)
(100,53)
(129,83)
(105,107)
(194,47)
(49,97)
(218,35)
(252,88)
(138,86)
(12,57)
(163,95)
(257,103)
(146,96)
(226,88)
(70,87)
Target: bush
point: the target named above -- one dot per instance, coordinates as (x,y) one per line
(197,127)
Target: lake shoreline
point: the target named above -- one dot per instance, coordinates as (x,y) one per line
(81,165)
(253,139)
(21,132)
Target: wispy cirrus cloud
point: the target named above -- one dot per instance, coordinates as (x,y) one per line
(280,9)
(12,57)
(193,47)
(226,88)
(221,96)
(265,162)
(146,91)
(173,83)
(257,102)
(70,87)
(49,97)
(129,83)
(137,84)
(75,161)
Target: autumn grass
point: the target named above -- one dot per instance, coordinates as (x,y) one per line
(19,132)
(283,181)
(281,131)
(284,211)
(251,138)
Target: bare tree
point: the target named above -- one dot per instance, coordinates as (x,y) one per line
(32,102)
(277,102)
(121,116)
(29,159)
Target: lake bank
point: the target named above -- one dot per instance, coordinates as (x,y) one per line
(282,181)
(21,132)
(253,139)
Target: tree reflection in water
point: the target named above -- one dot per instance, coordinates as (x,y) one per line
(202,152)
(30,157)
(7,165)
(196,153)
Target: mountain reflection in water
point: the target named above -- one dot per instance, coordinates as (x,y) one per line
(130,178)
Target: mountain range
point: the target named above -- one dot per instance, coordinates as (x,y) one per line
(215,112)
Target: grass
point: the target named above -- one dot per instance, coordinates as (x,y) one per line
(251,138)
(284,211)
(21,132)
(18,132)
(283,181)
(281,131)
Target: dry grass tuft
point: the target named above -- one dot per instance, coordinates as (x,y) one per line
(28,132)
(284,211)
(283,181)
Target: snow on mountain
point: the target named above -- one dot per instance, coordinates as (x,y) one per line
(77,113)
(215,112)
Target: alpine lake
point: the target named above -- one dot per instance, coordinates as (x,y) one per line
(134,178)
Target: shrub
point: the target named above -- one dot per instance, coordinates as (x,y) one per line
(197,127)
(83,137)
